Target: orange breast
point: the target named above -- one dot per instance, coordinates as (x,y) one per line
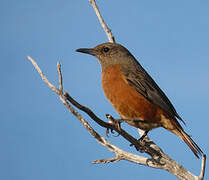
(126,100)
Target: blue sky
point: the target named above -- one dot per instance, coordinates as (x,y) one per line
(40,139)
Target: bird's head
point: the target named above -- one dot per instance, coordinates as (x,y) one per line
(109,54)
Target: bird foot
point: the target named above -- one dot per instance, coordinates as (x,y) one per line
(115,122)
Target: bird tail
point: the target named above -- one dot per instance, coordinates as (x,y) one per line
(188,140)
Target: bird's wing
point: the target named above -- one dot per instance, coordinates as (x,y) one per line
(145,85)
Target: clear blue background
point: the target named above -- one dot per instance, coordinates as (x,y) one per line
(40,139)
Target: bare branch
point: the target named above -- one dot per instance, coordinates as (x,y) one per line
(101,20)
(127,136)
(158,158)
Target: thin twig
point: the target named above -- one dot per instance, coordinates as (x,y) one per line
(115,159)
(102,22)
(42,75)
(60,76)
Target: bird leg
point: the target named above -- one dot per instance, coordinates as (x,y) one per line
(143,136)
(140,140)
(117,123)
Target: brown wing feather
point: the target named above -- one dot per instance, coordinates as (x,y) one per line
(144,84)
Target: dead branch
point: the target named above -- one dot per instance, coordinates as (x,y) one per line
(158,158)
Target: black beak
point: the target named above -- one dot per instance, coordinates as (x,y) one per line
(87,51)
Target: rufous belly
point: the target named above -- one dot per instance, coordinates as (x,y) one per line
(129,103)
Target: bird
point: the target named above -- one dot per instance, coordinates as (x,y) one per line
(135,95)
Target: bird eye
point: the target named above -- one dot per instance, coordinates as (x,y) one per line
(106,49)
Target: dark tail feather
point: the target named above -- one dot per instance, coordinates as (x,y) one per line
(188,140)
